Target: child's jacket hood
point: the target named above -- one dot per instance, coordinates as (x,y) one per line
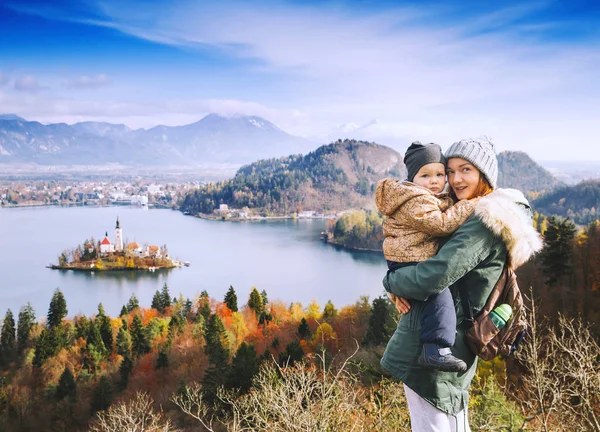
(506,212)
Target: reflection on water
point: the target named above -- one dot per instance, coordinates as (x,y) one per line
(128,275)
(369,257)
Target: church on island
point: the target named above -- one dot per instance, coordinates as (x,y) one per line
(131,249)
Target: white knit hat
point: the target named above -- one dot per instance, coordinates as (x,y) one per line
(481,152)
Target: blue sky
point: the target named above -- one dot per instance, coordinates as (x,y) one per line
(524,73)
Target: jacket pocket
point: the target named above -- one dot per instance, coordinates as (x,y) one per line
(412,320)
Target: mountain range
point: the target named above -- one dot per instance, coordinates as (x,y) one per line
(336,177)
(214,139)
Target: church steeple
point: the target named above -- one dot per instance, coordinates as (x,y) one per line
(118,236)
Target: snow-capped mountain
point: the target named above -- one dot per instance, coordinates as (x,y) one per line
(214,139)
(382,132)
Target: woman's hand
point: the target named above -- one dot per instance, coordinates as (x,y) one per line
(402,305)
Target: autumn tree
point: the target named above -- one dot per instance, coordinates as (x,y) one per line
(329,312)
(24,326)
(231,299)
(57,310)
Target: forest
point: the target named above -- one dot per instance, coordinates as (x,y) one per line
(258,364)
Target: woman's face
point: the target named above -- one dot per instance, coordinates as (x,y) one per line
(463,178)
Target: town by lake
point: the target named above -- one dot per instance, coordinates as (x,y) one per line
(286,258)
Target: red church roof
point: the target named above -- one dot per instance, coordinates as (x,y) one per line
(106,241)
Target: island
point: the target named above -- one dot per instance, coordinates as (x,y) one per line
(115,256)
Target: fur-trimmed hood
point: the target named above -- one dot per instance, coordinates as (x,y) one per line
(507,214)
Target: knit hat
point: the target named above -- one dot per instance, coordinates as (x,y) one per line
(419,155)
(481,152)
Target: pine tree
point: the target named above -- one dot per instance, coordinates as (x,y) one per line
(125,370)
(187,308)
(162,361)
(133,303)
(43,349)
(303,329)
(66,385)
(157,302)
(556,256)
(124,342)
(8,333)
(243,368)
(124,311)
(204,309)
(255,302)
(57,310)
(25,324)
(214,348)
(231,299)
(103,323)
(265,299)
(329,311)
(293,353)
(102,395)
(381,322)
(165,297)
(139,339)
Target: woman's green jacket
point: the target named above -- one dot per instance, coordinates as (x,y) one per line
(472,259)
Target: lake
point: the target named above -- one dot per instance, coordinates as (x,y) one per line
(286,258)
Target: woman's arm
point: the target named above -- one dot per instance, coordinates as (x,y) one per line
(469,245)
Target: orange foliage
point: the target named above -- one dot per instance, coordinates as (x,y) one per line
(147,314)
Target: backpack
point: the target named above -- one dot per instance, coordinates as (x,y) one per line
(483,337)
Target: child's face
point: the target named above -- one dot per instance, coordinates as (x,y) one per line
(432,176)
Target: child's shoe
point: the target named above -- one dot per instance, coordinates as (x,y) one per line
(434,357)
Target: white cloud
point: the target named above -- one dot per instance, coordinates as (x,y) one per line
(27,83)
(423,75)
(3,78)
(89,82)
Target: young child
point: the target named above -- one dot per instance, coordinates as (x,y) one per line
(418,214)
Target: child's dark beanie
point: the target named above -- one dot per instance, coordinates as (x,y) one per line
(418,155)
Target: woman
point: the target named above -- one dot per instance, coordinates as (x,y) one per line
(499,232)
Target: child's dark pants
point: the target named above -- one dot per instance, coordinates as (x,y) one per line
(438,321)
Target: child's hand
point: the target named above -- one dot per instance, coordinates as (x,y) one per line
(402,305)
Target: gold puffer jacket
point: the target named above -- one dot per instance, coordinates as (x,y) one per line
(416,218)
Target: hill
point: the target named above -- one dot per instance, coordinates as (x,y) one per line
(334,177)
(581,202)
(517,170)
(213,139)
